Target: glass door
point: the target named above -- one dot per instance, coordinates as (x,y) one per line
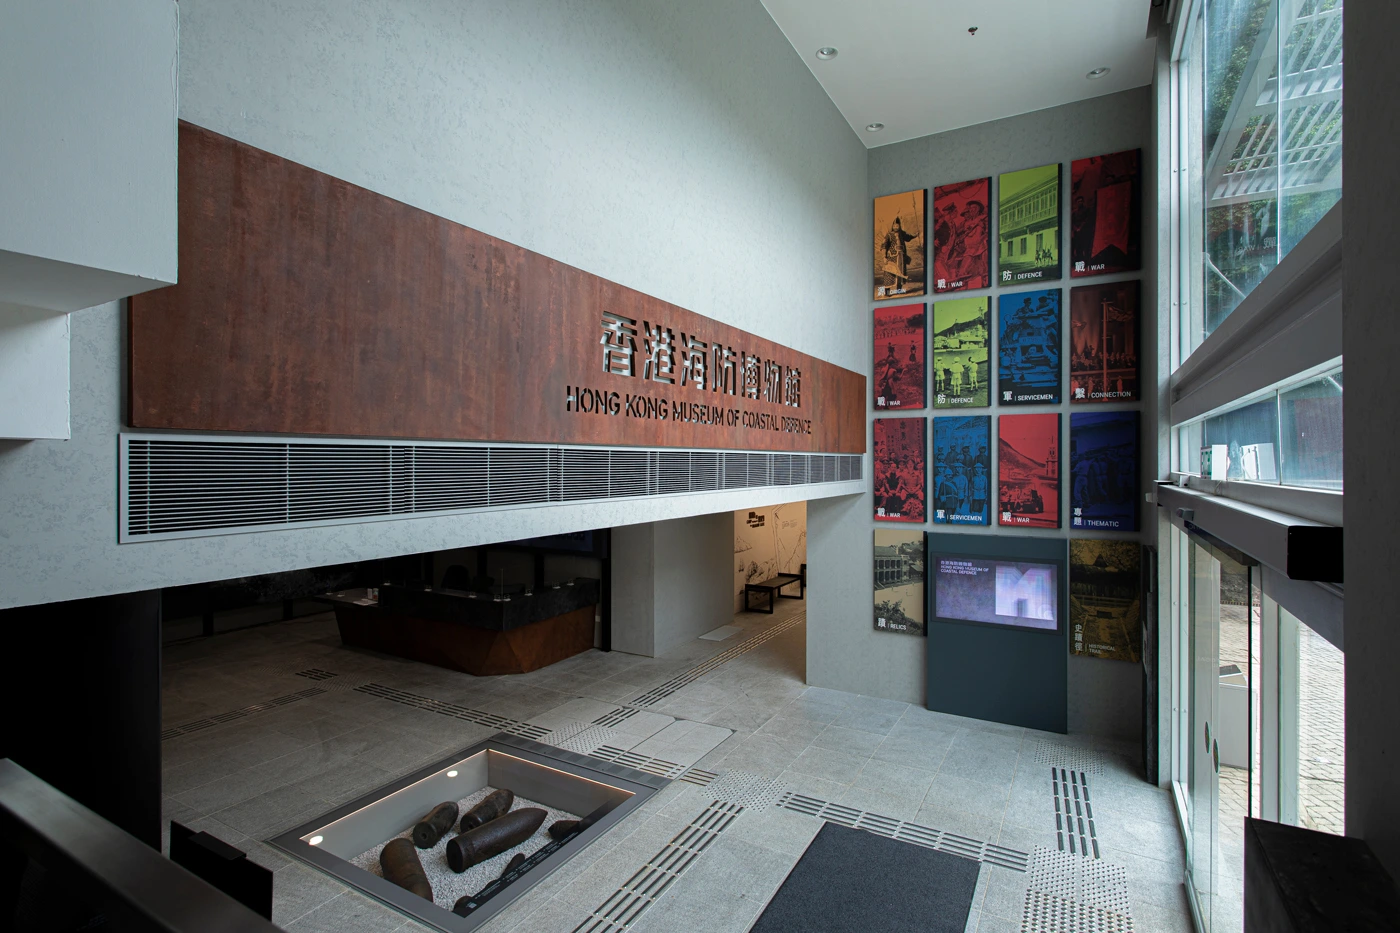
(1221,612)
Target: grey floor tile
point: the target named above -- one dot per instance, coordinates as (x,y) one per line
(231,789)
(914,751)
(297,891)
(1171,917)
(347,913)
(777,829)
(868,720)
(829,765)
(762,754)
(1005,893)
(990,924)
(987,743)
(809,785)
(344,782)
(957,821)
(828,696)
(894,778)
(954,792)
(1025,838)
(852,741)
(990,768)
(273,812)
(815,710)
(973,917)
(888,802)
(790,728)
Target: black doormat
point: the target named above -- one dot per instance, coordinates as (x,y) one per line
(852,880)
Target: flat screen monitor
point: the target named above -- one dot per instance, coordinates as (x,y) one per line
(1023,594)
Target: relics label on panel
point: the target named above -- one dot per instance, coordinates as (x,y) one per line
(1028,225)
(899,581)
(1105,196)
(308,305)
(1028,348)
(962,232)
(899,356)
(962,470)
(1103,343)
(900,478)
(961,366)
(1028,470)
(900,245)
(1103,462)
(1105,599)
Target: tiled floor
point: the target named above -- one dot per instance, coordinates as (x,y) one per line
(253,750)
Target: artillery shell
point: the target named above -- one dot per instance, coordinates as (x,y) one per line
(493,838)
(561,828)
(435,825)
(495,805)
(399,862)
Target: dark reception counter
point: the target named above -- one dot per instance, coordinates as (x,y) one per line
(479,633)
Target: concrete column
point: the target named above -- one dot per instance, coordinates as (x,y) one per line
(1371,345)
(672,581)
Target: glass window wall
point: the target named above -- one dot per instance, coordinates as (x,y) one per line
(1260,95)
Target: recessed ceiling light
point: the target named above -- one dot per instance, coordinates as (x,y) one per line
(1098,73)
(826,53)
(874,127)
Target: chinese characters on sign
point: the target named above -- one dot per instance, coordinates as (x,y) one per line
(732,372)
(669,358)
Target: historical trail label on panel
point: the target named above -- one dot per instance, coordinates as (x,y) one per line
(1105,599)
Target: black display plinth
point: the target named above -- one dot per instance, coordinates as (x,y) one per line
(1302,881)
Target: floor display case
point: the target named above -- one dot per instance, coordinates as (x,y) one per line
(483,857)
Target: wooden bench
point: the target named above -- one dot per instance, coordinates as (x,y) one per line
(773,586)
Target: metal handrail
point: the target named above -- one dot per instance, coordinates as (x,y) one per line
(115,869)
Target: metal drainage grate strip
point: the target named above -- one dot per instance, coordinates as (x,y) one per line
(219,719)
(624,906)
(925,836)
(514,726)
(657,694)
(657,766)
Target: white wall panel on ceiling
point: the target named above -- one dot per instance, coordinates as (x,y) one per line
(913,66)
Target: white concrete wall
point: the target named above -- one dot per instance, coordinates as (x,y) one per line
(692,577)
(634,589)
(680,149)
(670,582)
(1371,345)
(780,545)
(88,149)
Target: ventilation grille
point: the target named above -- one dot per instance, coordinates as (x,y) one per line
(175,486)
